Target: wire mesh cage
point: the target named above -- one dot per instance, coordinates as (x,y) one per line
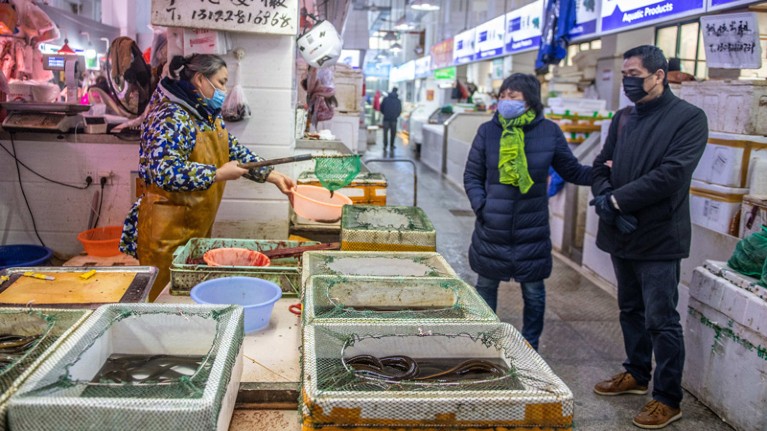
(29,336)
(403,376)
(381,264)
(138,367)
(337,299)
(389,228)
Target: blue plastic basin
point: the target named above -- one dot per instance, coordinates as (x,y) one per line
(24,255)
(256,296)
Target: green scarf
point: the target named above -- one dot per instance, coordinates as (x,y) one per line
(512,162)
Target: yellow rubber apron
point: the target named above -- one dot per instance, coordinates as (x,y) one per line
(167,220)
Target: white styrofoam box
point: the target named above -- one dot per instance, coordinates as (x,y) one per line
(706,244)
(757,182)
(348,83)
(597,261)
(433,147)
(742,281)
(345,127)
(731,106)
(727,158)
(557,231)
(716,207)
(577,105)
(212,331)
(753,214)
(724,358)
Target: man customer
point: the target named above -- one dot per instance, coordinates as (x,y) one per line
(642,199)
(391,108)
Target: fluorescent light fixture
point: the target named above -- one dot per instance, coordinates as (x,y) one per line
(425,5)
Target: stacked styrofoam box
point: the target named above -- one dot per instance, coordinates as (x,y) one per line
(574,105)
(54,396)
(721,269)
(557,218)
(731,106)
(725,350)
(728,158)
(716,207)
(753,214)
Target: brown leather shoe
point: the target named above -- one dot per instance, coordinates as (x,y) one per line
(619,384)
(656,415)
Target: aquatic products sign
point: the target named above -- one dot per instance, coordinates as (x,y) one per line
(463,47)
(247,16)
(489,38)
(586,18)
(523,28)
(624,14)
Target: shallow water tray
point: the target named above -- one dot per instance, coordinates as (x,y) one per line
(389,228)
(188,269)
(375,264)
(62,394)
(339,299)
(54,326)
(527,396)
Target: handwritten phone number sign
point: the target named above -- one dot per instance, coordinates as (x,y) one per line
(247,16)
(732,41)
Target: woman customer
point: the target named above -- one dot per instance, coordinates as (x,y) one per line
(505,180)
(186,157)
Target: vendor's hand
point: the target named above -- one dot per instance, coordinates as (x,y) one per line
(604,208)
(229,171)
(283,182)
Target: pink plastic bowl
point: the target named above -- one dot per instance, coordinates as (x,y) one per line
(315,203)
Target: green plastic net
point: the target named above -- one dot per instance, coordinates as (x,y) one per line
(338,299)
(521,393)
(750,254)
(336,171)
(73,391)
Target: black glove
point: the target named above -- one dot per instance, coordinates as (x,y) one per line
(604,208)
(626,223)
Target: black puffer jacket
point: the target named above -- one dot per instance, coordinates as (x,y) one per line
(652,164)
(511,235)
(391,107)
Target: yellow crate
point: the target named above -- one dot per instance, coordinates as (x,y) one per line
(367,188)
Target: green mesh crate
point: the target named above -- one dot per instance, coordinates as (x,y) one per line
(524,394)
(375,264)
(65,394)
(53,326)
(388,228)
(334,299)
(188,269)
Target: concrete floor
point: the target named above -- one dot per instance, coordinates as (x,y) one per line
(581,341)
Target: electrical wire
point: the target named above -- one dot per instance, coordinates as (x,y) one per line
(21,186)
(101,204)
(19,162)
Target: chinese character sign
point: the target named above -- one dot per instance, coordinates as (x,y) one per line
(248,16)
(732,41)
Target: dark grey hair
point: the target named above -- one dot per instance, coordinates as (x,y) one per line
(185,67)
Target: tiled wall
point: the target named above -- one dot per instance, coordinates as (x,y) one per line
(249,210)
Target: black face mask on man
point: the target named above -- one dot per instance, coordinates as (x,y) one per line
(633,87)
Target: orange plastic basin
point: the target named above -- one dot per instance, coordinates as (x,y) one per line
(101,241)
(315,203)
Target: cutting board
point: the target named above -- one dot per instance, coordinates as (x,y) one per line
(68,288)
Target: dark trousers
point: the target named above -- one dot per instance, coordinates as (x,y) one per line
(647,297)
(534,297)
(389,132)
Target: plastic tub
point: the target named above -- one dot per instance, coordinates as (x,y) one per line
(101,241)
(315,203)
(256,296)
(235,257)
(24,255)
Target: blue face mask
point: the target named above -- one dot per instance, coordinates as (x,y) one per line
(509,109)
(217,101)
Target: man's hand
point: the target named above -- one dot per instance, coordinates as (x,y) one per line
(626,223)
(229,171)
(604,208)
(283,182)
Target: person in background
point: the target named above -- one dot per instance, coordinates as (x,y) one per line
(675,74)
(391,108)
(506,182)
(642,199)
(186,156)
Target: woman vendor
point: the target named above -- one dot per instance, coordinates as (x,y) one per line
(185,158)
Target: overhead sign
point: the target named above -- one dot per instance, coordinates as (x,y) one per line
(442,54)
(247,16)
(489,38)
(403,72)
(523,28)
(446,74)
(722,4)
(731,41)
(377,70)
(463,47)
(623,14)
(423,67)
(586,17)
